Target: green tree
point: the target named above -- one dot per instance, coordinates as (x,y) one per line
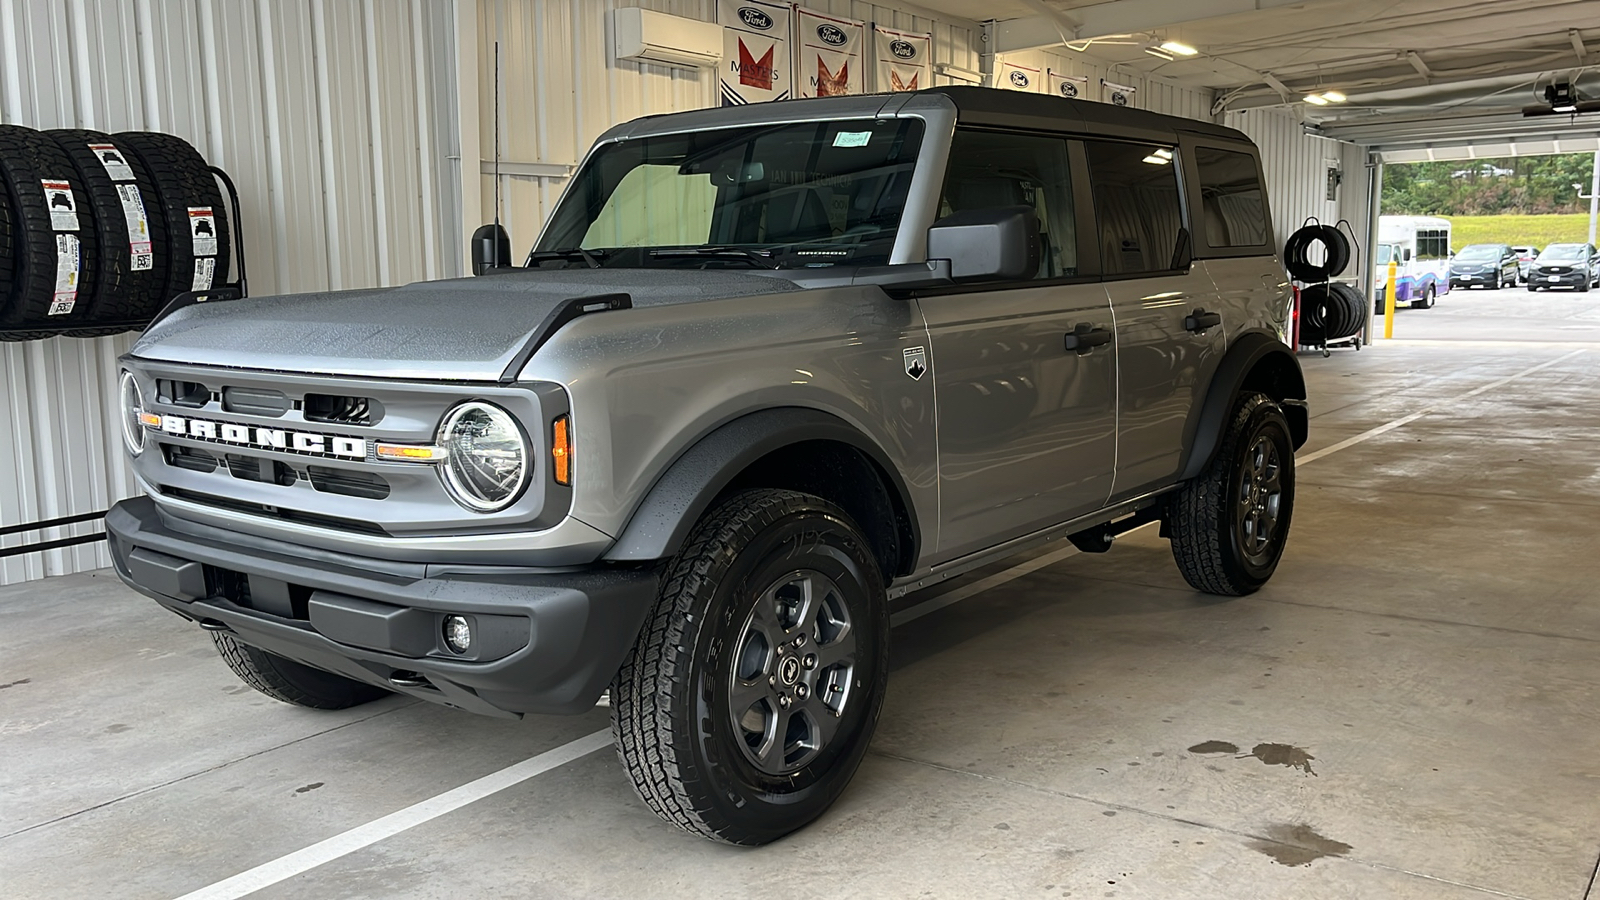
(1523,185)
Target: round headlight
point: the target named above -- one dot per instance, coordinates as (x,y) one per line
(132,409)
(487,465)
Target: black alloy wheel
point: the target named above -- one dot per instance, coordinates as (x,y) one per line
(1258,498)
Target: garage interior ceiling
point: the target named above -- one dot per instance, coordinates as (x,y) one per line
(1424,78)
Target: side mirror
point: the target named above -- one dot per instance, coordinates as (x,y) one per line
(1407,256)
(491,248)
(998,244)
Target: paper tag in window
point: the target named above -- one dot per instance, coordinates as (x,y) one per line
(62,205)
(116,164)
(68,253)
(140,250)
(852,138)
(203,229)
(204,268)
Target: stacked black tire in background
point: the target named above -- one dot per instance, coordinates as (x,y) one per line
(1329,310)
(98,232)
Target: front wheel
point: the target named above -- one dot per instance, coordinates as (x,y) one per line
(752,692)
(1229,524)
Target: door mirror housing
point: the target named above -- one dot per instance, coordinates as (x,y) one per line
(998,244)
(491,248)
(1408,254)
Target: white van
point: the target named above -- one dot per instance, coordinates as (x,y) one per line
(1421,246)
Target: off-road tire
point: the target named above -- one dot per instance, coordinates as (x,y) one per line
(292,682)
(673,735)
(27,283)
(182,180)
(125,294)
(1203,515)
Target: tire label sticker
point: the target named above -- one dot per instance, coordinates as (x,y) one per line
(62,204)
(140,249)
(204,268)
(116,164)
(203,230)
(67,262)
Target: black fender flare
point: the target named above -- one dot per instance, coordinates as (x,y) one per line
(1277,373)
(660,524)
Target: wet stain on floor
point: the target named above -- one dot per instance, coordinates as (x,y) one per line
(310,787)
(1284,755)
(1298,845)
(11,684)
(118,728)
(1214,747)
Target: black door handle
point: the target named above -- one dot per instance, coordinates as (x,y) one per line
(1200,320)
(1086,337)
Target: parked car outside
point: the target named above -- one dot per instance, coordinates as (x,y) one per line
(1566,265)
(1525,258)
(1484,265)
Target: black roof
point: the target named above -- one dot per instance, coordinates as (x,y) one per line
(1016,109)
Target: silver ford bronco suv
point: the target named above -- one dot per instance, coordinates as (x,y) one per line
(766,370)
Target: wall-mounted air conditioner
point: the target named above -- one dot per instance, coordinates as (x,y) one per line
(647,35)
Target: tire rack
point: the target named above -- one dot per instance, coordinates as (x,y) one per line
(1354,340)
(235,290)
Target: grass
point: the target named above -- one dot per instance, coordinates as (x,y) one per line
(1519,231)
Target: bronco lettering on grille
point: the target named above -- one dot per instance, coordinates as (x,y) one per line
(266,438)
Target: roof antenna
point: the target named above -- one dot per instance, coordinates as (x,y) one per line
(491,244)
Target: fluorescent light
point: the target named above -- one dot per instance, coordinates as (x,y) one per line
(1334,97)
(1316,100)
(1157,161)
(1163,153)
(1158,53)
(1178,48)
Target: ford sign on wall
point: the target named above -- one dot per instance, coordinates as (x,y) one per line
(902,49)
(1019,79)
(755,18)
(831,34)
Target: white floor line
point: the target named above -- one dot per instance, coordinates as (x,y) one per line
(270,873)
(285,867)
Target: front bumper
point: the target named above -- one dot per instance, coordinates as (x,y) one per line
(1565,279)
(544,641)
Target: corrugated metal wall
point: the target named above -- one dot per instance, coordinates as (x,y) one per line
(337,119)
(560,88)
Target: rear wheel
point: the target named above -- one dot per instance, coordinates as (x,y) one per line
(1229,524)
(1425,299)
(751,695)
(292,682)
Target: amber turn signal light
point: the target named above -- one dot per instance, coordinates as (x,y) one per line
(561,450)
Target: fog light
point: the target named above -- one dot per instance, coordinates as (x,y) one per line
(457,634)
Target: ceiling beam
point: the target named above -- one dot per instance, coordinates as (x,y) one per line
(1118,17)
(1421,67)
(1577,44)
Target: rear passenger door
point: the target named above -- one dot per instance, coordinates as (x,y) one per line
(1027,423)
(1166,351)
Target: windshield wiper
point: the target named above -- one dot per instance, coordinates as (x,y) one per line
(591,257)
(762,258)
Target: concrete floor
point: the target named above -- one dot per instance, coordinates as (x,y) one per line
(1414,699)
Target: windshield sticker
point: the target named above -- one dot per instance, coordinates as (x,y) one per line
(852,138)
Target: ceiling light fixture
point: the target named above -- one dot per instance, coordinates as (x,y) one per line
(1159,53)
(1334,97)
(1177,48)
(1316,100)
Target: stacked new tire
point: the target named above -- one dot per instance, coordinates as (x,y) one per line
(99,231)
(1329,310)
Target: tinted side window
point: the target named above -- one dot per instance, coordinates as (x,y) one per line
(990,169)
(1136,206)
(1232,202)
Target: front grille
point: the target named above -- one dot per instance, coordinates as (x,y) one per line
(190,458)
(256,468)
(365,485)
(255,401)
(273,512)
(336,410)
(191,394)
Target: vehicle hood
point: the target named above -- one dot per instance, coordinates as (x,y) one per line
(465,329)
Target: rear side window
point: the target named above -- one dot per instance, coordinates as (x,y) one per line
(1231,200)
(1433,244)
(1136,206)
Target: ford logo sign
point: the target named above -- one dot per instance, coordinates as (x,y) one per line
(755,18)
(902,49)
(1068,89)
(1118,98)
(1019,79)
(831,34)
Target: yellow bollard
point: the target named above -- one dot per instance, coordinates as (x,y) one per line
(1388,301)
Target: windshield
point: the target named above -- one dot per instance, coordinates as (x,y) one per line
(1564,252)
(1387,252)
(1479,252)
(795,194)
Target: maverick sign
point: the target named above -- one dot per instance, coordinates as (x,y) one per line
(755,59)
